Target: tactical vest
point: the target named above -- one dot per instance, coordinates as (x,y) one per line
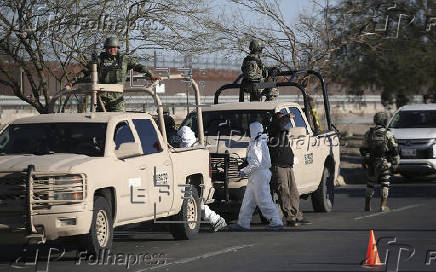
(378,142)
(257,74)
(112,69)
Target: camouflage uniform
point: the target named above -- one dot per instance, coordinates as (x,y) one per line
(380,152)
(113,70)
(255,72)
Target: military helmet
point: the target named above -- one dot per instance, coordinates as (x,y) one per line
(111,42)
(381,118)
(256,45)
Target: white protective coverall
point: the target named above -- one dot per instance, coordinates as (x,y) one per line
(188,139)
(257,192)
(187,136)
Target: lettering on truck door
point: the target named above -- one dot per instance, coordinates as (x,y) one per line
(159,170)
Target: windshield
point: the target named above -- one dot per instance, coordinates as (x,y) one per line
(234,122)
(49,138)
(414,119)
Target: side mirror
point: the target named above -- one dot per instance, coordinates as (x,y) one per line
(297,131)
(127,150)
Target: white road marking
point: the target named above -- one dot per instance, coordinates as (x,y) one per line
(393,210)
(195,258)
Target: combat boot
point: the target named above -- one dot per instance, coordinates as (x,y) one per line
(368,195)
(384,204)
(367,203)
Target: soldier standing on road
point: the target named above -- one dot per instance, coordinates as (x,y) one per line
(380,156)
(283,179)
(112,68)
(255,72)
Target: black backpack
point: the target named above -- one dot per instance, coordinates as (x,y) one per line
(378,141)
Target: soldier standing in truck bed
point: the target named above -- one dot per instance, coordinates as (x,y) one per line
(112,68)
(255,72)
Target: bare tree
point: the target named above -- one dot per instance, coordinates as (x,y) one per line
(49,39)
(303,45)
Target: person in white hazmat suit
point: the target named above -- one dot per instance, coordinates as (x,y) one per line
(187,139)
(257,192)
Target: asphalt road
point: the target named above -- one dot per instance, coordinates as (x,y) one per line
(334,242)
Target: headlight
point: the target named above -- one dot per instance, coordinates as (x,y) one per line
(68,187)
(68,180)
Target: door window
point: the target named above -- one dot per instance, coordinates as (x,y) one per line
(148,135)
(298,119)
(123,134)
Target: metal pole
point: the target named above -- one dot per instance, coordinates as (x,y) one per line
(94,81)
(21,79)
(199,113)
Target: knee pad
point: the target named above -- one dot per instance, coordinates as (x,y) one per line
(385,184)
(385,192)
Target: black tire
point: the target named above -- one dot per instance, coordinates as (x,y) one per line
(323,198)
(101,233)
(190,212)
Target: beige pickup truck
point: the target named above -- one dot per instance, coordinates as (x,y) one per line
(82,174)
(316,150)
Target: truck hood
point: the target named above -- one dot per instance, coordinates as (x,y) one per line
(414,133)
(42,163)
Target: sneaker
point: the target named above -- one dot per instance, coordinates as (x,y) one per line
(274,227)
(304,222)
(219,225)
(292,223)
(237,227)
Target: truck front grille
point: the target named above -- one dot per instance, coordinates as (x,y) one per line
(221,164)
(46,191)
(13,211)
(12,186)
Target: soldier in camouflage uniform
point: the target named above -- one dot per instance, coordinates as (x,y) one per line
(255,72)
(380,156)
(112,68)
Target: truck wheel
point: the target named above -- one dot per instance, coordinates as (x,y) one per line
(101,233)
(323,197)
(189,216)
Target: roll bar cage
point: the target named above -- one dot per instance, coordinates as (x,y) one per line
(94,89)
(274,84)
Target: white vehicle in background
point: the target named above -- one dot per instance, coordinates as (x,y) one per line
(414,126)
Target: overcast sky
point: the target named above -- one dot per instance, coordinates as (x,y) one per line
(291,8)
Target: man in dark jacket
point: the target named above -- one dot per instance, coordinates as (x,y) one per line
(283,180)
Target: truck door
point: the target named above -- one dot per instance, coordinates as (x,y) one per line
(303,150)
(133,199)
(157,166)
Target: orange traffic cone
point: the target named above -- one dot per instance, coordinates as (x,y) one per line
(372,257)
